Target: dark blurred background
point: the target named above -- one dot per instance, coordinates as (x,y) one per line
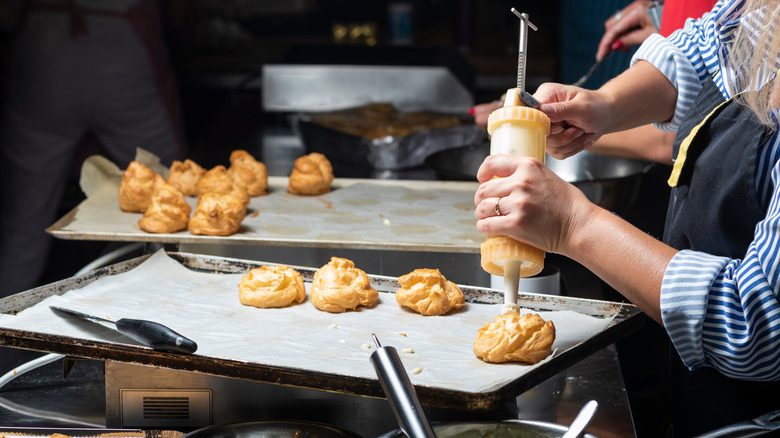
(218,48)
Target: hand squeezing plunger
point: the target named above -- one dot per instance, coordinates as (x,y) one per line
(521,130)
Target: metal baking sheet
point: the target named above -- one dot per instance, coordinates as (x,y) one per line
(435,216)
(620,320)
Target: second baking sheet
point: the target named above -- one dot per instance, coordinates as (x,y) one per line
(357,213)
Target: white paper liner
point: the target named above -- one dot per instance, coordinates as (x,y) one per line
(205,307)
(357,213)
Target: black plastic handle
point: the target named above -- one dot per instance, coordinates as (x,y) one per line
(155,335)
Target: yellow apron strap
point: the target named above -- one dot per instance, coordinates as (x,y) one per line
(682,154)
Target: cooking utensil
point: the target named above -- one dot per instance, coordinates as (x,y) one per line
(591,71)
(610,182)
(149,333)
(582,420)
(498,429)
(400,392)
(271,429)
(596,65)
(758,426)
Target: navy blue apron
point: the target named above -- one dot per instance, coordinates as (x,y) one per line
(714,208)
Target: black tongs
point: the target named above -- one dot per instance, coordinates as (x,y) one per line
(149,333)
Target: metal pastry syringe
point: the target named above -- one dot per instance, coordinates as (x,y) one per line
(518,129)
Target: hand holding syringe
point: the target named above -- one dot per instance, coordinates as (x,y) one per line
(521,130)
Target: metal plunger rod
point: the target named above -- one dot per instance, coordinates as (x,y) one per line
(522,46)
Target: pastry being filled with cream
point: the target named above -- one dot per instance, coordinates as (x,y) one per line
(512,337)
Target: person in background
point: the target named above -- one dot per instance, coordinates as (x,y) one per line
(624,30)
(712,282)
(76,69)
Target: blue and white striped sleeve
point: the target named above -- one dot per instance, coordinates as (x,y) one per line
(678,69)
(724,312)
(684,295)
(686,57)
(721,312)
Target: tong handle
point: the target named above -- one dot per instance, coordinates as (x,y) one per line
(155,335)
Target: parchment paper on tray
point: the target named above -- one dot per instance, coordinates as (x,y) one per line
(205,307)
(357,214)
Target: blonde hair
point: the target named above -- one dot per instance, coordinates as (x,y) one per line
(757,58)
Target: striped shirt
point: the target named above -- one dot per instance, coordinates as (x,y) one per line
(722,312)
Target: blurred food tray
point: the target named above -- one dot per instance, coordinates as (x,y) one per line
(35,432)
(382,136)
(214,317)
(435,216)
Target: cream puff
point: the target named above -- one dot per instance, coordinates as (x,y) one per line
(427,292)
(271,286)
(311,175)
(135,190)
(250,173)
(168,210)
(340,286)
(185,176)
(512,337)
(217,215)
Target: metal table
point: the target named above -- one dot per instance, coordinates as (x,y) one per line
(44,399)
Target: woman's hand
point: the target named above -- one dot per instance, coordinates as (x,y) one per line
(628,27)
(577,118)
(542,210)
(537,207)
(482,111)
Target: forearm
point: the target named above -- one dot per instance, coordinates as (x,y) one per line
(638,96)
(628,259)
(642,143)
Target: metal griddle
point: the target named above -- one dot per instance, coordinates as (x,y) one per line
(628,319)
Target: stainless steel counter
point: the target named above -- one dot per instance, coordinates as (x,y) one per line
(43,399)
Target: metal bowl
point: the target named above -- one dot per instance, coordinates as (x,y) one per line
(494,429)
(271,429)
(610,182)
